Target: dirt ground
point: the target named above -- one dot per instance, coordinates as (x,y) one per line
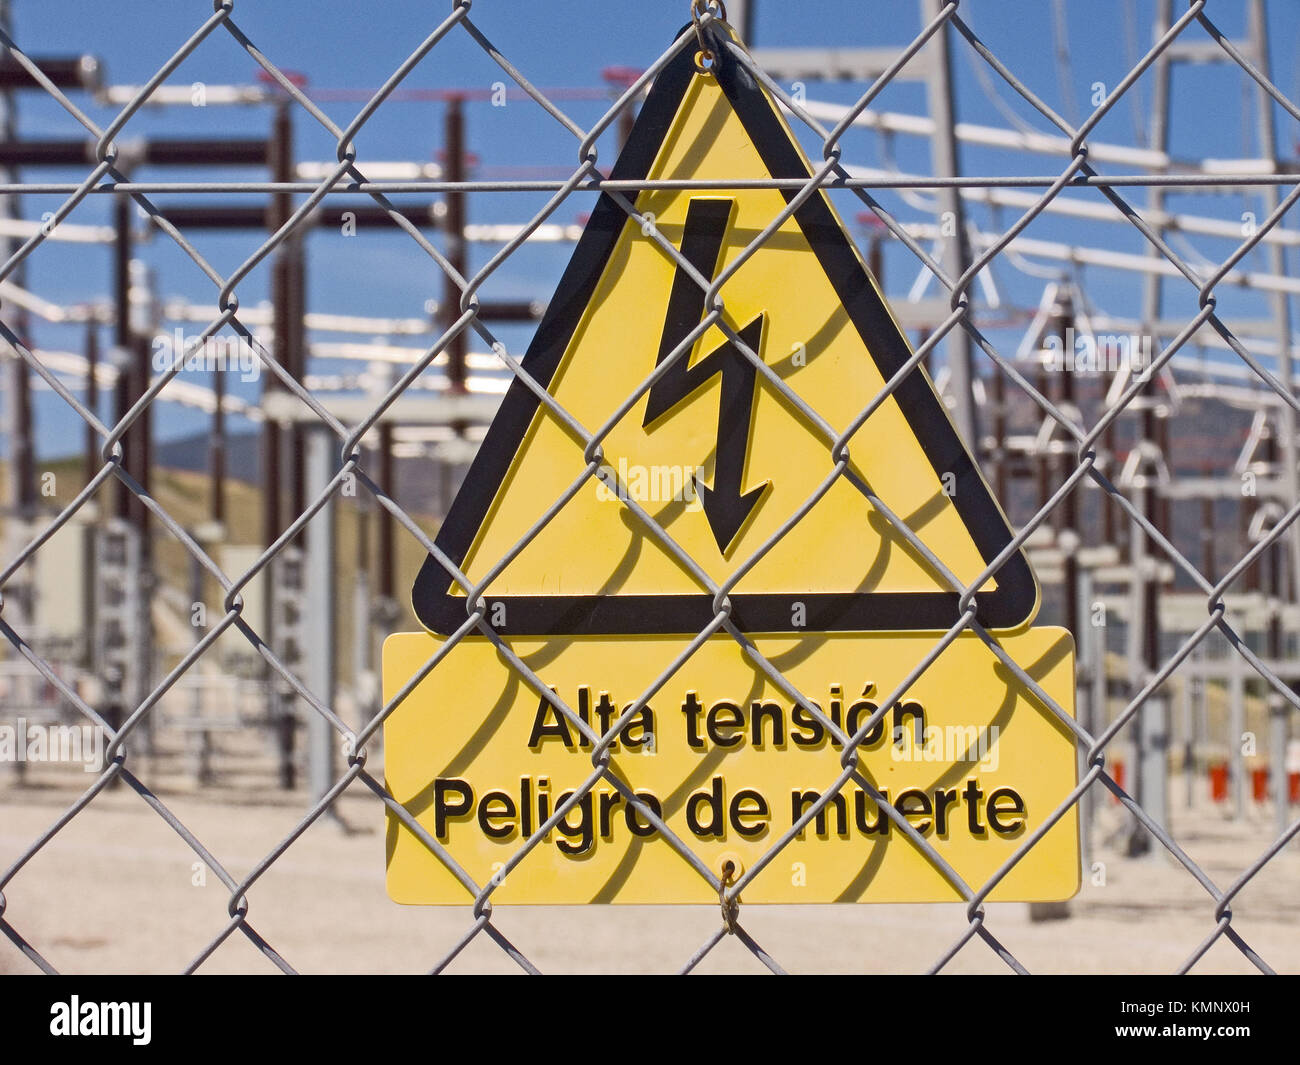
(117,891)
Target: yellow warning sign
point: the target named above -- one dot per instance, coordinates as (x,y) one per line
(730,763)
(723,429)
(713,450)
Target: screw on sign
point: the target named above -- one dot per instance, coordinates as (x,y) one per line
(595,728)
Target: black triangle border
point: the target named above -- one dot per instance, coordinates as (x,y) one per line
(1011,605)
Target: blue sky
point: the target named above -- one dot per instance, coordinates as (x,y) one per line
(338,45)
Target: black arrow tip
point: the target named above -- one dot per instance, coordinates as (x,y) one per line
(727,512)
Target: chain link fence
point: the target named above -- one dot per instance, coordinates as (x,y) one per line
(1084,462)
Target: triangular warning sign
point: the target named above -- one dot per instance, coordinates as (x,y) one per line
(713,450)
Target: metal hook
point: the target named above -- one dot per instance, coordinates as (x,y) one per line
(730,908)
(705,58)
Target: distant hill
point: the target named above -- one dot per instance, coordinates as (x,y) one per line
(243,455)
(423,487)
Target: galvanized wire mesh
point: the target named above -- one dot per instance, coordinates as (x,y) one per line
(349,174)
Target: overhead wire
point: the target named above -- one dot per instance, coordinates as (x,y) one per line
(1064,70)
(985,81)
(1132,57)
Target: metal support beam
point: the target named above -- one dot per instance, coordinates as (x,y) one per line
(319,577)
(65,72)
(280,701)
(152,152)
(1279,711)
(454,163)
(91,463)
(837,64)
(256,216)
(217,451)
(956,250)
(741,15)
(387,546)
(1236,731)
(1150,783)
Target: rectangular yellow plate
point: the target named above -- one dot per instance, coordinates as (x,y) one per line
(968,754)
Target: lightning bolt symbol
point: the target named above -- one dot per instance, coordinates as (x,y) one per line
(725,505)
